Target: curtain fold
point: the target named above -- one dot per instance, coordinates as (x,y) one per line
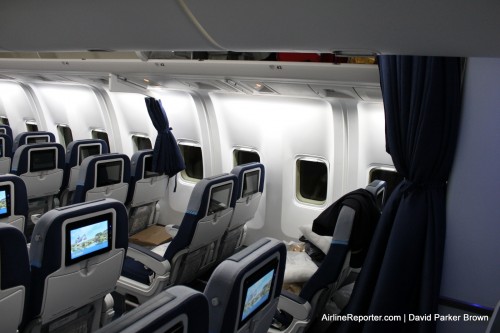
(402,272)
(167,158)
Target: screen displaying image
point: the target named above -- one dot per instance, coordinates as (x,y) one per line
(37,139)
(250,183)
(88,150)
(109,173)
(4,201)
(42,160)
(219,198)
(257,294)
(88,239)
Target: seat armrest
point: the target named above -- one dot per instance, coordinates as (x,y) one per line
(149,259)
(296,306)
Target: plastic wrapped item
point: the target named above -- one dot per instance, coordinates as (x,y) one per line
(299,267)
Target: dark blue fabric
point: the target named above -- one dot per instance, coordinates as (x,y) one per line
(167,158)
(8,131)
(20,163)
(190,220)
(86,180)
(21,138)
(240,169)
(7,152)
(136,171)
(15,270)
(72,154)
(402,272)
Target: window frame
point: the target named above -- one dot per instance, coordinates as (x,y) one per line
(100,130)
(298,195)
(246,150)
(62,136)
(184,174)
(136,137)
(29,123)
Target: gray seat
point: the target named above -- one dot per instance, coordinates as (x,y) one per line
(41,167)
(191,252)
(103,176)
(76,152)
(177,309)
(14,277)
(5,153)
(146,188)
(248,190)
(244,290)
(29,138)
(76,257)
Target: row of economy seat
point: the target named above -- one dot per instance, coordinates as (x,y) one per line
(63,280)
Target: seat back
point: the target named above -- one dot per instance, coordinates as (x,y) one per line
(14,277)
(5,153)
(194,249)
(145,190)
(103,176)
(244,290)
(76,152)
(353,219)
(76,257)
(41,167)
(177,309)
(29,138)
(5,129)
(249,189)
(13,201)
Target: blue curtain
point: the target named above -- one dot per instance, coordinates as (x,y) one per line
(167,158)
(402,272)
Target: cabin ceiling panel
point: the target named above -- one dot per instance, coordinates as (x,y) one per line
(60,25)
(425,27)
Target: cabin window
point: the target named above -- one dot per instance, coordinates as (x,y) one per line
(241,156)
(31,126)
(193,160)
(141,142)
(100,134)
(4,120)
(65,134)
(390,176)
(311,180)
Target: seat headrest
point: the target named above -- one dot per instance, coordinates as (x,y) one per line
(200,197)
(5,129)
(250,178)
(165,313)
(78,150)
(5,145)
(38,157)
(32,138)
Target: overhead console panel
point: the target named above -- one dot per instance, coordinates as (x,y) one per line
(425,27)
(61,25)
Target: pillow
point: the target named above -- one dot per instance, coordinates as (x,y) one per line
(321,242)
